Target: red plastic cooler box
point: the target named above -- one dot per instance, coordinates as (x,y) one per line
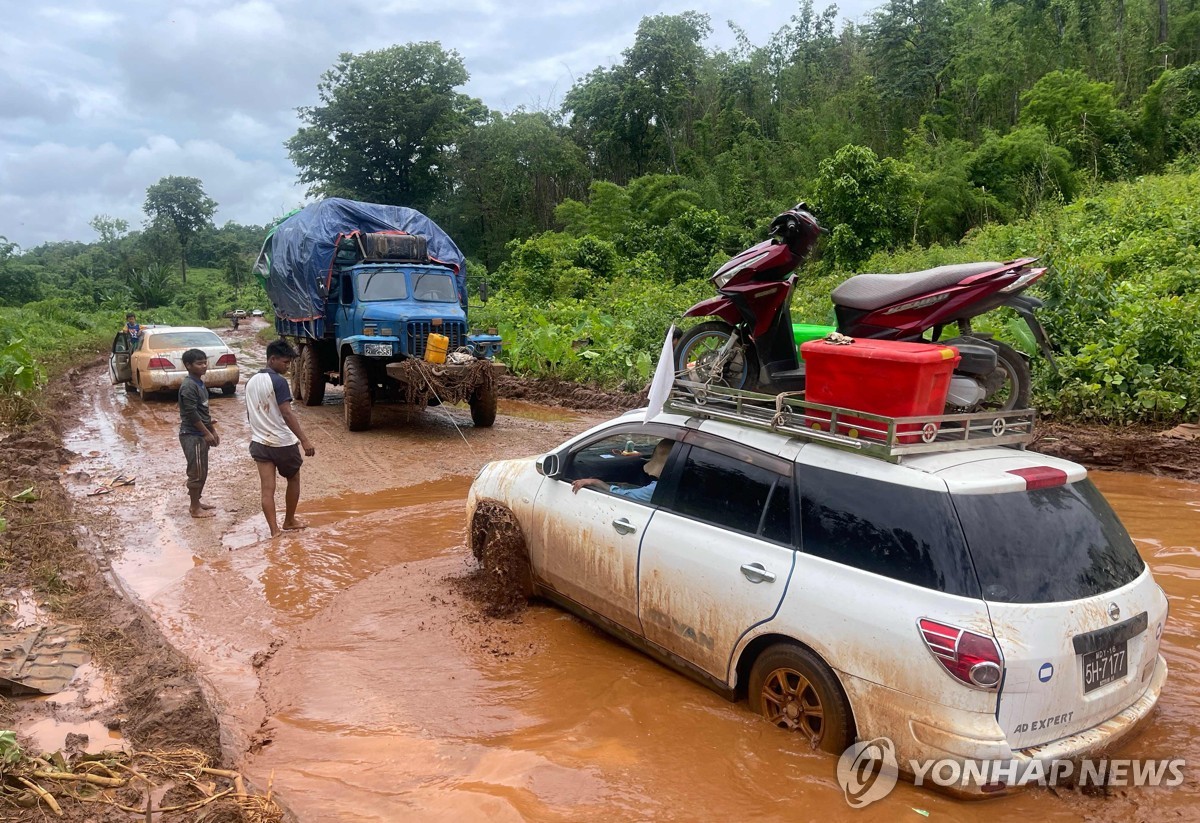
(881,377)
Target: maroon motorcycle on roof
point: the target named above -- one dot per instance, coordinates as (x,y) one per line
(751,344)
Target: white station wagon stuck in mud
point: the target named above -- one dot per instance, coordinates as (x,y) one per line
(967,602)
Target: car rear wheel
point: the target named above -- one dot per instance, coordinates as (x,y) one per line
(229,389)
(792,688)
(129,387)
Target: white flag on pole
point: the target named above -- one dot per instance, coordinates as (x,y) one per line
(664,377)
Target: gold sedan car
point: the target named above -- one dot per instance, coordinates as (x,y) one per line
(154,362)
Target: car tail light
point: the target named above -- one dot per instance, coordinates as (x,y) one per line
(970,658)
(227,360)
(161,363)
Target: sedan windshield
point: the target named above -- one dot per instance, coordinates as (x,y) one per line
(198,339)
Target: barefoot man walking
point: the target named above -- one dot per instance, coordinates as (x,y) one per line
(197,432)
(275,435)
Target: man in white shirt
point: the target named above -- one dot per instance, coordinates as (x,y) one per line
(275,435)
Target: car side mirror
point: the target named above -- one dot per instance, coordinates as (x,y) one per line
(548,466)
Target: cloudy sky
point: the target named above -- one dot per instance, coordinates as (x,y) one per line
(100,99)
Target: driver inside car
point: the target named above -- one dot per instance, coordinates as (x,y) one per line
(653,468)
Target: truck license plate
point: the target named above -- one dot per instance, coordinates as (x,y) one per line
(377,349)
(1104,666)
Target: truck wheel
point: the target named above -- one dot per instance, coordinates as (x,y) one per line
(308,381)
(357,398)
(483,407)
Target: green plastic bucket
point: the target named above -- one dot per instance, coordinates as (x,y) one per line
(803,332)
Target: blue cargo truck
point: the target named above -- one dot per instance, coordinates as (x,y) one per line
(359,288)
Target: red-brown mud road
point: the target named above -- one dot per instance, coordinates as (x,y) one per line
(350,675)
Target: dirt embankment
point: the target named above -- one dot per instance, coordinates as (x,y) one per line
(151,696)
(1126,448)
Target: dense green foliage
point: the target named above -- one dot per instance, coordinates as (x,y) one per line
(936,131)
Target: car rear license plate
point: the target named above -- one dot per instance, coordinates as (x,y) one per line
(1104,666)
(377,349)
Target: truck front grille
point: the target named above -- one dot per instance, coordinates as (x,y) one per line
(418,335)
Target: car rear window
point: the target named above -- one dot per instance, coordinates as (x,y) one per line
(1047,545)
(896,531)
(184,340)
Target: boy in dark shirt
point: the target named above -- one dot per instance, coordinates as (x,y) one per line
(132,327)
(196,430)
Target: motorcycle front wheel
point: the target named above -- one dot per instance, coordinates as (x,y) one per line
(698,350)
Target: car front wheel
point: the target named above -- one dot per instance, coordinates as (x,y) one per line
(793,688)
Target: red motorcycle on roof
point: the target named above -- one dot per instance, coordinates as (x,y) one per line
(751,346)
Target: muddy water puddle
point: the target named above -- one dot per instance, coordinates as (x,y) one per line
(397,700)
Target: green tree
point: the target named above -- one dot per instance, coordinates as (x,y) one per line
(665,61)
(1082,117)
(386,127)
(867,202)
(180,202)
(1170,118)
(1020,171)
(510,172)
(18,280)
(635,117)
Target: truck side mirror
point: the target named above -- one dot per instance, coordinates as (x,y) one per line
(483,290)
(548,466)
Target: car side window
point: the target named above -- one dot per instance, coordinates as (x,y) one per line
(619,459)
(729,492)
(907,534)
(121,343)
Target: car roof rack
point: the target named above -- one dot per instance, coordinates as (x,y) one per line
(875,435)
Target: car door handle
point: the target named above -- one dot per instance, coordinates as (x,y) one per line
(757,573)
(623,526)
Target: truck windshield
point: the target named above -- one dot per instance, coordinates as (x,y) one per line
(382,284)
(434,287)
(1047,545)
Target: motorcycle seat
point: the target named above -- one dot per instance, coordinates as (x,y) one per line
(874,291)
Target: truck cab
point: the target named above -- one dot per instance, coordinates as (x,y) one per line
(388,310)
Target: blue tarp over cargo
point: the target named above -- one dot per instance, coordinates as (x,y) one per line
(297,256)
